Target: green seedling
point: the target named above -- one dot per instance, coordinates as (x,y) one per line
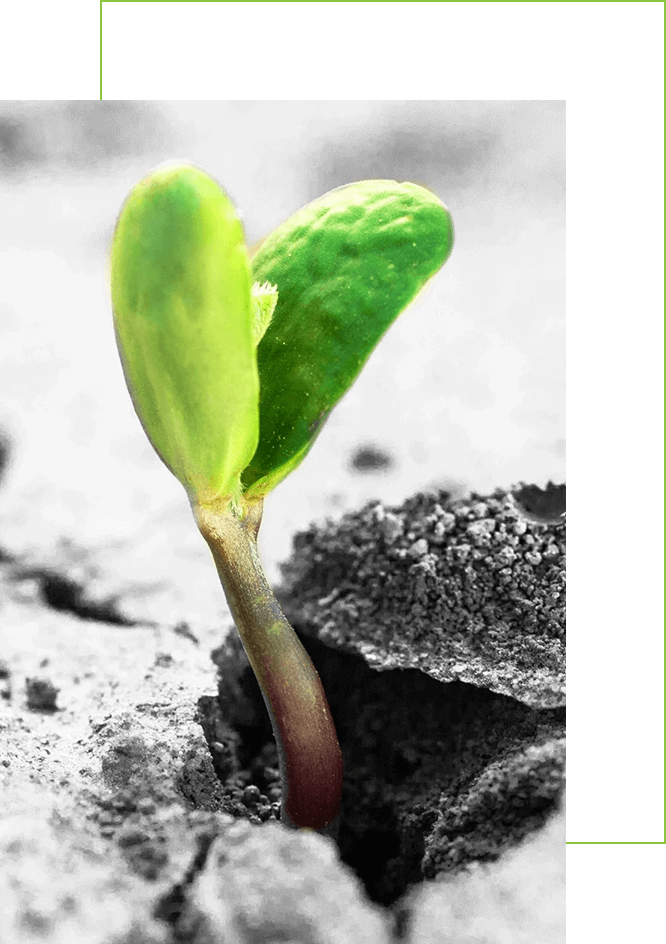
(233,366)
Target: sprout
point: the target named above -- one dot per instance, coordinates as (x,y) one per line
(233,369)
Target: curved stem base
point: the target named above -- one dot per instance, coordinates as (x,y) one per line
(310,756)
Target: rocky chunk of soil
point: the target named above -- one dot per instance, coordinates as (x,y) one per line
(468,590)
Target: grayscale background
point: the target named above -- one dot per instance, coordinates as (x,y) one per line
(108,592)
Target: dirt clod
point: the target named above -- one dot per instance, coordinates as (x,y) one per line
(41,694)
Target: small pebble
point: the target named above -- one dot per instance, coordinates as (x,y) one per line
(370,459)
(392,527)
(251,795)
(42,695)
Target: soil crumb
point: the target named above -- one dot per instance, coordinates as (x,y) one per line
(41,694)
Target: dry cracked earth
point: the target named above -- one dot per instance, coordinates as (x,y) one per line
(139,790)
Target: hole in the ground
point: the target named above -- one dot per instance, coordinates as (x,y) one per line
(542,505)
(437,776)
(68,596)
(65,594)
(62,593)
(5,450)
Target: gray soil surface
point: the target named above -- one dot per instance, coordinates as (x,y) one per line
(139,791)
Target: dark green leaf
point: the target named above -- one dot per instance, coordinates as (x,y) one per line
(345,266)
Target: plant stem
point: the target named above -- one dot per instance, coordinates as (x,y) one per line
(310,757)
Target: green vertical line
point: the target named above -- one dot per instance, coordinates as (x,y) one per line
(100,50)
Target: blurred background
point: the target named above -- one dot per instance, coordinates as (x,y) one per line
(466,390)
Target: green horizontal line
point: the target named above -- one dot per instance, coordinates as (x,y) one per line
(654,842)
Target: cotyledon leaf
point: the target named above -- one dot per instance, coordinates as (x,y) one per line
(345,266)
(181,288)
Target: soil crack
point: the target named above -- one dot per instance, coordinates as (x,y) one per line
(174,907)
(67,595)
